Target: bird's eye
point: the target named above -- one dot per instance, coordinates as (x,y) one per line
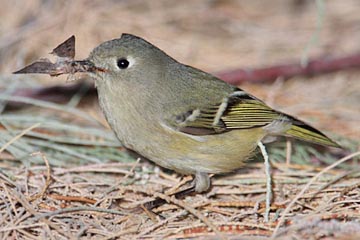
(122,63)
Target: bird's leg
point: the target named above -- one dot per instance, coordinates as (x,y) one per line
(200,184)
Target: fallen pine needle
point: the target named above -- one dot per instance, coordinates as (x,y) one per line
(72,198)
(14,139)
(48,176)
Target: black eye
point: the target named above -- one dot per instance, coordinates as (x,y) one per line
(122,63)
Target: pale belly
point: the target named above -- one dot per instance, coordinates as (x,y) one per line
(189,154)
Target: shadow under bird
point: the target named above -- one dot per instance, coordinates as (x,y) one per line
(177,116)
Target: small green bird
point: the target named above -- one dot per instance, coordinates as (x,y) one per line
(180,117)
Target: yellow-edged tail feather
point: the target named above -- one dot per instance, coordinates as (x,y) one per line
(303,131)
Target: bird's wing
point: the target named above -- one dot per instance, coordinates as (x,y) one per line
(239,110)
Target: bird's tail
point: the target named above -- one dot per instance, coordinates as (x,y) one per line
(303,131)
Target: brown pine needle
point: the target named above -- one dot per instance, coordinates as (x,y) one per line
(48,176)
(72,198)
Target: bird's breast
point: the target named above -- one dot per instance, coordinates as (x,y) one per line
(129,117)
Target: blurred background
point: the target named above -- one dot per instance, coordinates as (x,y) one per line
(88,164)
(213,35)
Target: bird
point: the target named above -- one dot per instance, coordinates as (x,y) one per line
(183,118)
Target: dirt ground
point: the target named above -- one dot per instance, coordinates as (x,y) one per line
(82,185)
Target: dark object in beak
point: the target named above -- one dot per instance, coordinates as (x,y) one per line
(65,49)
(65,63)
(44,66)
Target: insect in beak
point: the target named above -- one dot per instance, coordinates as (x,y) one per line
(65,63)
